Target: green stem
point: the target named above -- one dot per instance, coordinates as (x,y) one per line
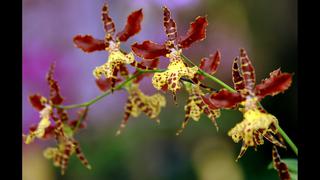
(201,72)
(83,116)
(288,140)
(281,131)
(88,103)
(150,70)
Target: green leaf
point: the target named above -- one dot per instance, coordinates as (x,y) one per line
(292,166)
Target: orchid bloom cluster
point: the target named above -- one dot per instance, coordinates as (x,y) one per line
(63,129)
(181,73)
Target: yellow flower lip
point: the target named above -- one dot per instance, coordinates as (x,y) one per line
(253,128)
(171,77)
(43,124)
(116,58)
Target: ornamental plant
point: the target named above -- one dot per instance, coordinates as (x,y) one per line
(181,74)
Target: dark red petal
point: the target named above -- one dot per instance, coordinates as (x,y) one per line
(88,44)
(149,50)
(33,128)
(107,21)
(210,65)
(55,95)
(196,32)
(147,64)
(276,83)
(35,101)
(150,64)
(49,132)
(169,25)
(247,70)
(105,84)
(280,166)
(132,27)
(237,78)
(223,99)
(206,100)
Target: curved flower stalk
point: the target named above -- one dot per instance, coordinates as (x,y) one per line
(62,130)
(257,123)
(172,48)
(111,43)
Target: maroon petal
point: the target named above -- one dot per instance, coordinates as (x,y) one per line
(196,32)
(169,25)
(223,99)
(132,27)
(107,21)
(149,50)
(55,95)
(88,44)
(105,84)
(276,83)
(280,166)
(35,101)
(237,78)
(247,70)
(210,65)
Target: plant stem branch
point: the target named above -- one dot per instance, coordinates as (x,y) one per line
(288,140)
(82,117)
(88,103)
(201,72)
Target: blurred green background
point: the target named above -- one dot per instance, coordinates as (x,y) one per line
(145,150)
